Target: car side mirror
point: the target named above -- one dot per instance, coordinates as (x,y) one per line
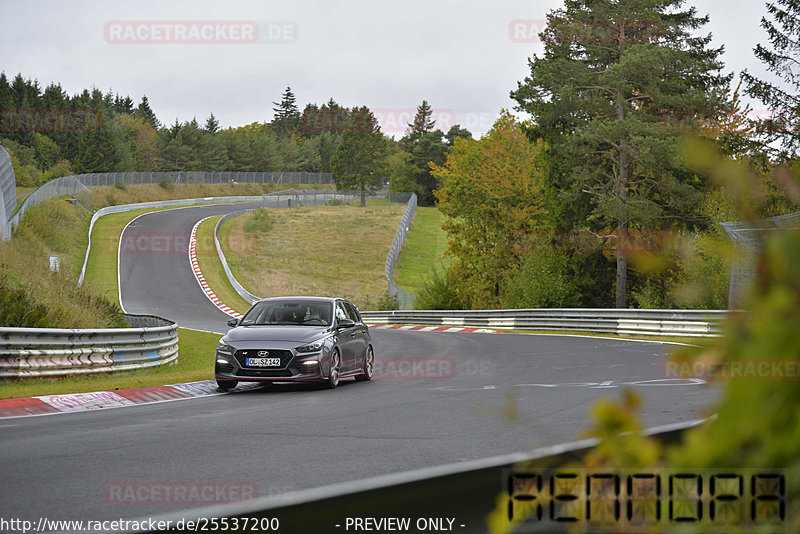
(233,322)
(346,323)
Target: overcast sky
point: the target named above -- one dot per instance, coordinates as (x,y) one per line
(463,56)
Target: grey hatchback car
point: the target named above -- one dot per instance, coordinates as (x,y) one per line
(295,339)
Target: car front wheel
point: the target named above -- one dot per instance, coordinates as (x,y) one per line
(333,373)
(369,366)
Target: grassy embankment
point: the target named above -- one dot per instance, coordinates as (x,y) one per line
(423,250)
(57,227)
(323,250)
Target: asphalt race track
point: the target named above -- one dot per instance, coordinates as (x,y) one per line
(452,406)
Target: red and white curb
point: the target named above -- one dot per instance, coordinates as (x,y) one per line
(448,329)
(99,400)
(201,279)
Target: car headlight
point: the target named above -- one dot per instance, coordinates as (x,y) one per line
(224,348)
(314,346)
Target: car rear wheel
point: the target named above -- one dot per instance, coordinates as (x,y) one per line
(369,366)
(225,385)
(333,373)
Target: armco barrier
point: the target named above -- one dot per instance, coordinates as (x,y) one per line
(245,294)
(466,492)
(47,352)
(692,323)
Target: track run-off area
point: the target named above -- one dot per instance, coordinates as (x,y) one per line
(437,398)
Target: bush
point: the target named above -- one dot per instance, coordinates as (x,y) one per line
(121,185)
(544,281)
(439,293)
(62,168)
(166,183)
(18,307)
(385,302)
(258,221)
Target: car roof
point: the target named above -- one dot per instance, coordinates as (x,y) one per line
(302,297)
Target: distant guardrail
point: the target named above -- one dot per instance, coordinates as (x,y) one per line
(692,323)
(52,352)
(245,294)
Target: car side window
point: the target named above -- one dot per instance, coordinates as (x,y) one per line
(340,312)
(352,312)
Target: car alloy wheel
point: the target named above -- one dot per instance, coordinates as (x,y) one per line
(369,366)
(333,373)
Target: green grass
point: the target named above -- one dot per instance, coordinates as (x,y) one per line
(211,266)
(315,250)
(195,362)
(422,251)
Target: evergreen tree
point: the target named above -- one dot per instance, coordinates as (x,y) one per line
(212,124)
(287,116)
(360,159)
(781,60)
(456,132)
(423,121)
(426,146)
(145,112)
(610,73)
(123,104)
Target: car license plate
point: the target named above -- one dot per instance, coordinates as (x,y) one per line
(263,362)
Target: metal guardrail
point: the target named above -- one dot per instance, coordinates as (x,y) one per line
(405,299)
(245,294)
(690,323)
(466,492)
(50,352)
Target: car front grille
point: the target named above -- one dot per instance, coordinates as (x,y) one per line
(265,373)
(241,356)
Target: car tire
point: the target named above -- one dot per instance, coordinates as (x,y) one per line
(334,369)
(369,366)
(225,385)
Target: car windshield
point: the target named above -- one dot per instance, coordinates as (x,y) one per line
(289,313)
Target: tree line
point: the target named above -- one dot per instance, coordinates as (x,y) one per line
(599,199)
(50,134)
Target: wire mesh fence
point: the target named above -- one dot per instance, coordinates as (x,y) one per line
(204,177)
(404,299)
(8,193)
(748,238)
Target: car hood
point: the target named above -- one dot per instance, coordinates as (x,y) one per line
(294,334)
